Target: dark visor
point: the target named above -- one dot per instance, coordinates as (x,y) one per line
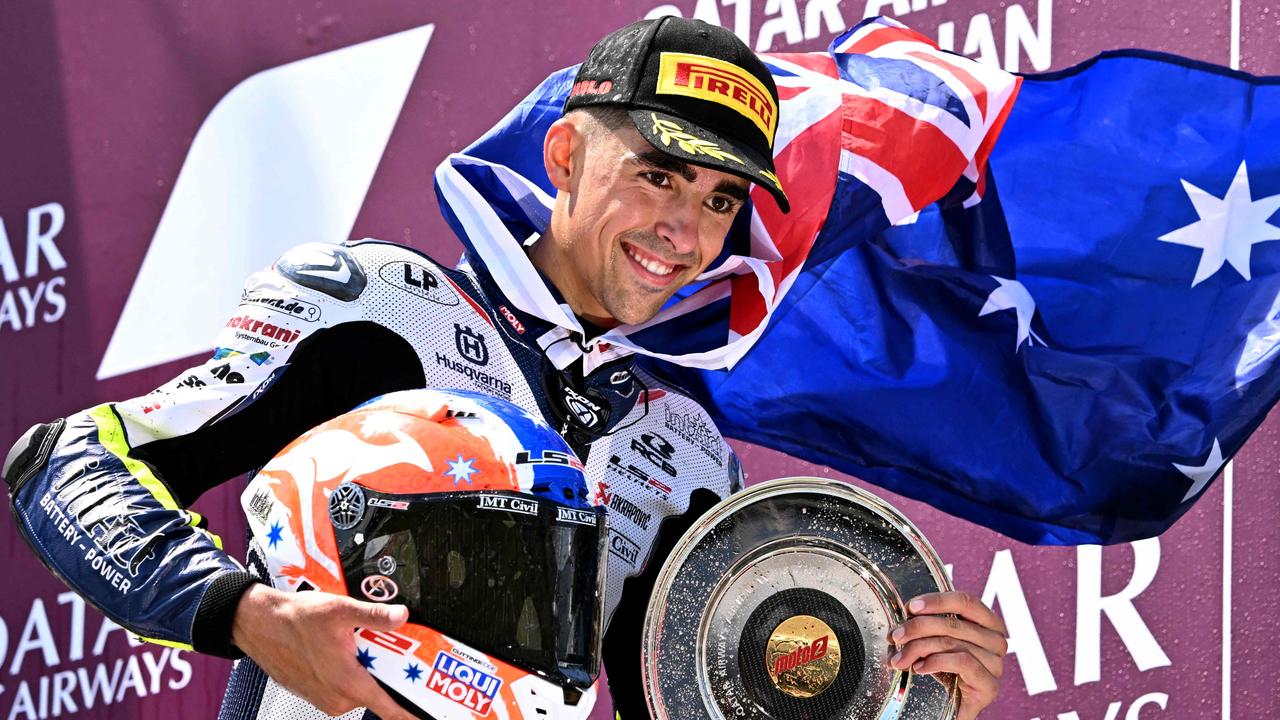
(518,577)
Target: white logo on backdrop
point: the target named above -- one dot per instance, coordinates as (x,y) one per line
(285,158)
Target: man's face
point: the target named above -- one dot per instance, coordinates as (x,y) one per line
(637,225)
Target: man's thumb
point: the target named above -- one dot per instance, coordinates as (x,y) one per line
(380,617)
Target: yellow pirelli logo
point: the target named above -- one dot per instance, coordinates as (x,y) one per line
(720,82)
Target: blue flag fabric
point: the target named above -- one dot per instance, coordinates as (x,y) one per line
(1066,349)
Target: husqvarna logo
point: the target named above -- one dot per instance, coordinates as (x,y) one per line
(470,344)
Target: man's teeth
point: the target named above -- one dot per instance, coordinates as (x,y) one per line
(652,266)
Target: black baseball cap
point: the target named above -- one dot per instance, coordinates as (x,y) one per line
(693,90)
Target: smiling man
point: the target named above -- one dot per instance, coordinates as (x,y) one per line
(668,124)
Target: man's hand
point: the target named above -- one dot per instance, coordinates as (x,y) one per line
(954,632)
(304,641)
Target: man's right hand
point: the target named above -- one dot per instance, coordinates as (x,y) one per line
(304,641)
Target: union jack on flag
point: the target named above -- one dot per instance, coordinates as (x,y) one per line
(896,122)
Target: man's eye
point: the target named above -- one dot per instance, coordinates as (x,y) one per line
(657,179)
(721,205)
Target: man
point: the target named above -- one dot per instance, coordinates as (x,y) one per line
(649,178)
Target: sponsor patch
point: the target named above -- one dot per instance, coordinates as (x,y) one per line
(291,306)
(260,505)
(463,683)
(720,82)
(511,318)
(622,547)
(524,506)
(694,429)
(636,475)
(262,332)
(591,87)
(619,505)
(379,588)
(418,280)
(258,358)
(470,345)
(580,517)
(549,457)
(489,383)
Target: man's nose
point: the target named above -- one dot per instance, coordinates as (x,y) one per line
(678,224)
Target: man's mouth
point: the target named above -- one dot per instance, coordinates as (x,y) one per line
(655,270)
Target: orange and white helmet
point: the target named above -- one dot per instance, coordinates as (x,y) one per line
(474,514)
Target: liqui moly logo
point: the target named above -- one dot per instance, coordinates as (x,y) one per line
(464,684)
(801,656)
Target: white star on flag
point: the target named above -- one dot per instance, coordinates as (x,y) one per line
(1201,475)
(1012,295)
(460,470)
(1228,226)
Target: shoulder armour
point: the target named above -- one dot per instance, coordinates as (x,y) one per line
(329,269)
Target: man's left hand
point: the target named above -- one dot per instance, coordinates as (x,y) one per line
(953,632)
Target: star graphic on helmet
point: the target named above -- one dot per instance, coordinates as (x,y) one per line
(461,469)
(366,658)
(413,672)
(275,535)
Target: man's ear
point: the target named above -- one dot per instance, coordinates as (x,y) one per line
(558,149)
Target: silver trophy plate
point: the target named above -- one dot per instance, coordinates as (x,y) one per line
(778,604)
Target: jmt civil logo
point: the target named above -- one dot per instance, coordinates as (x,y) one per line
(705,78)
(465,685)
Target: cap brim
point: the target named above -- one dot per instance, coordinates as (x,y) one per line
(692,143)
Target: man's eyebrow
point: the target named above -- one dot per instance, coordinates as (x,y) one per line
(734,190)
(663,161)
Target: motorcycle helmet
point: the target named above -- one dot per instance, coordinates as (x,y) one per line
(474,514)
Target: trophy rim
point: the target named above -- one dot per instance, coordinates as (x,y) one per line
(777,487)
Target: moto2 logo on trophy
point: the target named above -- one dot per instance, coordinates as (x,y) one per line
(33,288)
(802,655)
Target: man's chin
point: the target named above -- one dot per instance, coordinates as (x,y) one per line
(633,314)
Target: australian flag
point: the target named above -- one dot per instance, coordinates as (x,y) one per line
(1045,303)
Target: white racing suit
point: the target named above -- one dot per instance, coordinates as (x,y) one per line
(102,495)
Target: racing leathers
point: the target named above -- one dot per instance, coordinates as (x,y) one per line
(102,495)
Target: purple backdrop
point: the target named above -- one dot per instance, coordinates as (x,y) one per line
(114,147)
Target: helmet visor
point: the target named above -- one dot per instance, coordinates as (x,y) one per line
(518,577)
